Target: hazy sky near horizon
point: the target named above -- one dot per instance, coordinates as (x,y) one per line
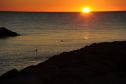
(62,5)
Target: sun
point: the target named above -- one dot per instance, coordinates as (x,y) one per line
(86,10)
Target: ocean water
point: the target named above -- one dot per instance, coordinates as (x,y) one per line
(53,33)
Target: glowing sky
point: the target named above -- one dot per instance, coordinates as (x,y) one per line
(62,5)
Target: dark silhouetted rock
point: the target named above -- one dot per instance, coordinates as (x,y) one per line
(10,74)
(4,32)
(99,63)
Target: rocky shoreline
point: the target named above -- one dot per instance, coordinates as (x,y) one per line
(98,63)
(4,32)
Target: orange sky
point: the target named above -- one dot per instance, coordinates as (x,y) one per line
(62,5)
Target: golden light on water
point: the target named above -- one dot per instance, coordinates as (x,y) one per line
(86,10)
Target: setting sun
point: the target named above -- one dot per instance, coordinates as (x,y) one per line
(86,10)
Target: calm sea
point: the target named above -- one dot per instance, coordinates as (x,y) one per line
(53,33)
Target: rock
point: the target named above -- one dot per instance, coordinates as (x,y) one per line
(4,32)
(8,75)
(99,63)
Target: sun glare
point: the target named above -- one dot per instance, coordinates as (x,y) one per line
(86,10)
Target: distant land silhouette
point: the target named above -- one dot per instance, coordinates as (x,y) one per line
(98,63)
(4,32)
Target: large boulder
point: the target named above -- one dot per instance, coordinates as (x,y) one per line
(99,63)
(4,32)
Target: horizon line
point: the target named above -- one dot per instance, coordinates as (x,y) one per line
(60,11)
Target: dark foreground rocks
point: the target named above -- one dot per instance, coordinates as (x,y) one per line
(4,32)
(102,63)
